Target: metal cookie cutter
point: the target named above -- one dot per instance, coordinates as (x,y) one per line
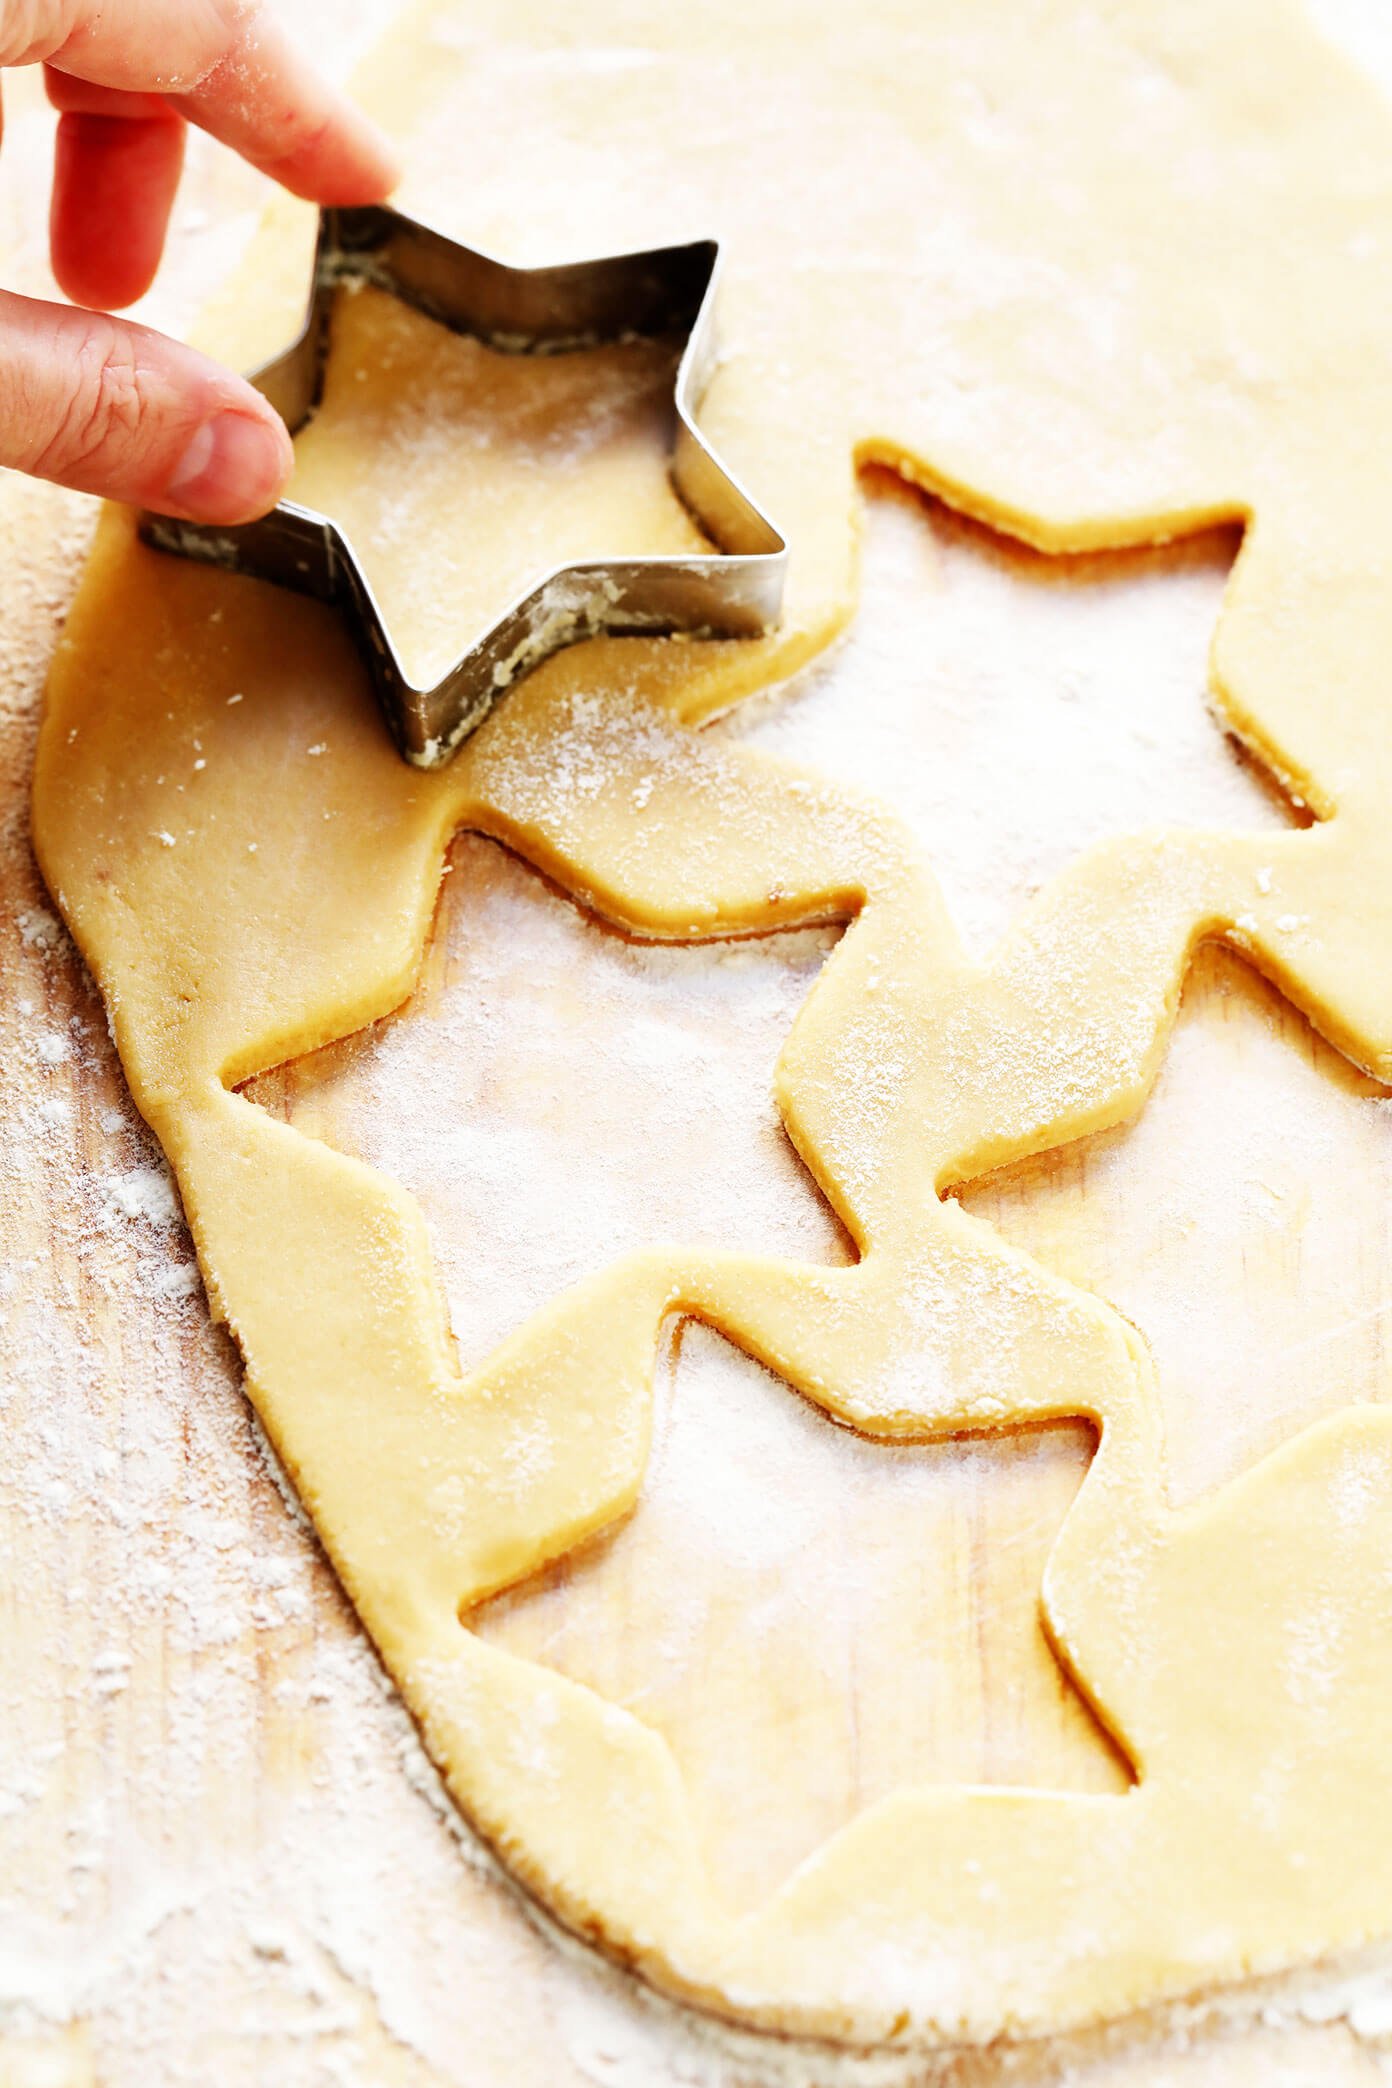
(734,591)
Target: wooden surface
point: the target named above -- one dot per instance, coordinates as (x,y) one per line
(223,1855)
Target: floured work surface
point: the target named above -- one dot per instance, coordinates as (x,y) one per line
(251,875)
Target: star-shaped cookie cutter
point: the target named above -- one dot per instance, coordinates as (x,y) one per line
(733,591)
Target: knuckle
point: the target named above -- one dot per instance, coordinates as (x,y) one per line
(232,29)
(105,406)
(30,31)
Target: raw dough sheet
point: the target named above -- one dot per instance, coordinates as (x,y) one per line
(1183,1572)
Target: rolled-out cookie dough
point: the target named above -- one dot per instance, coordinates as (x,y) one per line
(1099,275)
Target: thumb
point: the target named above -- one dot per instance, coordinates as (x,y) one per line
(108,407)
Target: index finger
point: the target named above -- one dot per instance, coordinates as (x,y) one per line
(266,101)
(224,64)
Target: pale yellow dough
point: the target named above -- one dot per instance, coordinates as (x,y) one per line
(1099,273)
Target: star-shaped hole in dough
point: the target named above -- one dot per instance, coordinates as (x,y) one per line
(813,1620)
(1232,1222)
(555,1095)
(1015,708)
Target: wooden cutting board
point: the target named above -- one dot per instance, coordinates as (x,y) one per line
(224,1856)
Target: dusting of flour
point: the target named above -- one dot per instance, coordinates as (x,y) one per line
(223,1855)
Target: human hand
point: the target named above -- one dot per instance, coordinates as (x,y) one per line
(102,404)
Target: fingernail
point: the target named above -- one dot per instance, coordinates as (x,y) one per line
(232,470)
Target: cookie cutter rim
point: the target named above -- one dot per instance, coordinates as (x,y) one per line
(735,590)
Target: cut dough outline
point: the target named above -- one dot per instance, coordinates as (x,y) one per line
(935,1913)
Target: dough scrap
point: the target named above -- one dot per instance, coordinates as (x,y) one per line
(1110,280)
